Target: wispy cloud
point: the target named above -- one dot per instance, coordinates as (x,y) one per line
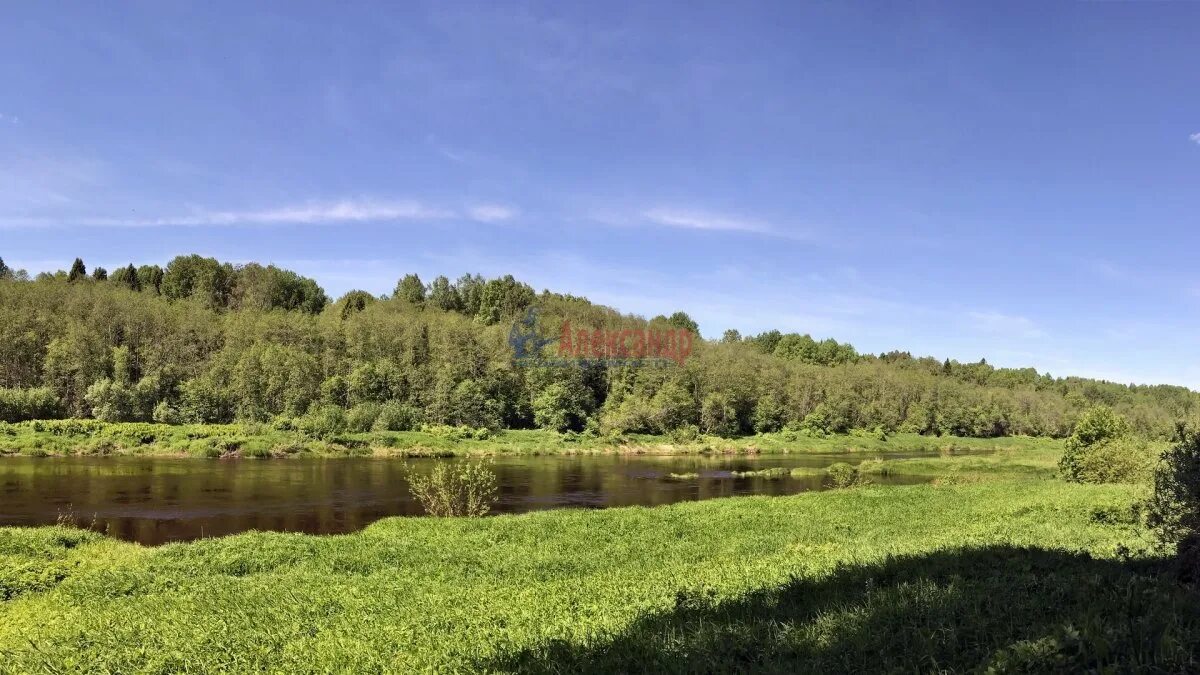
(309,213)
(491,213)
(713,222)
(1005,324)
(1195,138)
(9,119)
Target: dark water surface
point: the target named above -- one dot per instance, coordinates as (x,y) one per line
(157,500)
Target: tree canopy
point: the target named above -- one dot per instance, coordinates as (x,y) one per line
(202,340)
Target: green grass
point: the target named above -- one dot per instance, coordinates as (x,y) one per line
(1005,574)
(90,437)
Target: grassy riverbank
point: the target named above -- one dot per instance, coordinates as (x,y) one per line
(1011,574)
(90,437)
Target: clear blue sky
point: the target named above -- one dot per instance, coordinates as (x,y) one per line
(1016,181)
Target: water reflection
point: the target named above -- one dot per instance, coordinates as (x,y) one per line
(156,500)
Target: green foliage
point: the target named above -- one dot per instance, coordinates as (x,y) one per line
(1101,451)
(444,295)
(251,342)
(410,289)
(1097,425)
(466,488)
(363,416)
(78,271)
(682,320)
(17,405)
(150,278)
(718,416)
(165,413)
(1173,511)
(127,277)
(396,416)
(841,475)
(111,401)
(354,302)
(194,276)
(1013,577)
(267,288)
(562,406)
(324,422)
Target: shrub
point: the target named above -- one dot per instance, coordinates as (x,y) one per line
(685,434)
(458,433)
(323,422)
(1100,450)
(165,413)
(1124,460)
(562,406)
(842,475)
(456,489)
(18,405)
(396,416)
(362,417)
(718,416)
(1173,511)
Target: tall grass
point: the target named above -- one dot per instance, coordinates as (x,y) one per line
(1032,576)
(456,489)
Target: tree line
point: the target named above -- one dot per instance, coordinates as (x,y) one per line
(204,341)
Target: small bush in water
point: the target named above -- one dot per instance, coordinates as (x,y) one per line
(456,489)
(842,475)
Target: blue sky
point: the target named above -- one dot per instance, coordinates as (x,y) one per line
(1016,181)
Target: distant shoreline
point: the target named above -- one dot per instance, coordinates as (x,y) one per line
(62,438)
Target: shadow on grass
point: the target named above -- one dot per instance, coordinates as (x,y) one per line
(1001,609)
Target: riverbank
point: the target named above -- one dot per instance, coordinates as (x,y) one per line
(1006,574)
(91,437)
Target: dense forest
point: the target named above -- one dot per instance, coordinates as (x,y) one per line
(205,341)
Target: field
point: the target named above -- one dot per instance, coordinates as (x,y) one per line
(1007,571)
(91,437)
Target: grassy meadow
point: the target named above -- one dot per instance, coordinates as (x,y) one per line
(1015,572)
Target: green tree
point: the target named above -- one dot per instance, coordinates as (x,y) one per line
(682,320)
(354,302)
(411,290)
(562,406)
(127,277)
(718,416)
(1100,450)
(1174,507)
(78,271)
(100,274)
(444,296)
(150,278)
(194,276)
(503,298)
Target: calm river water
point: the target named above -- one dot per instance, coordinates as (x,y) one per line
(158,500)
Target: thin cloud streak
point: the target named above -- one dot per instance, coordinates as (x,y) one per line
(711,222)
(491,213)
(312,213)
